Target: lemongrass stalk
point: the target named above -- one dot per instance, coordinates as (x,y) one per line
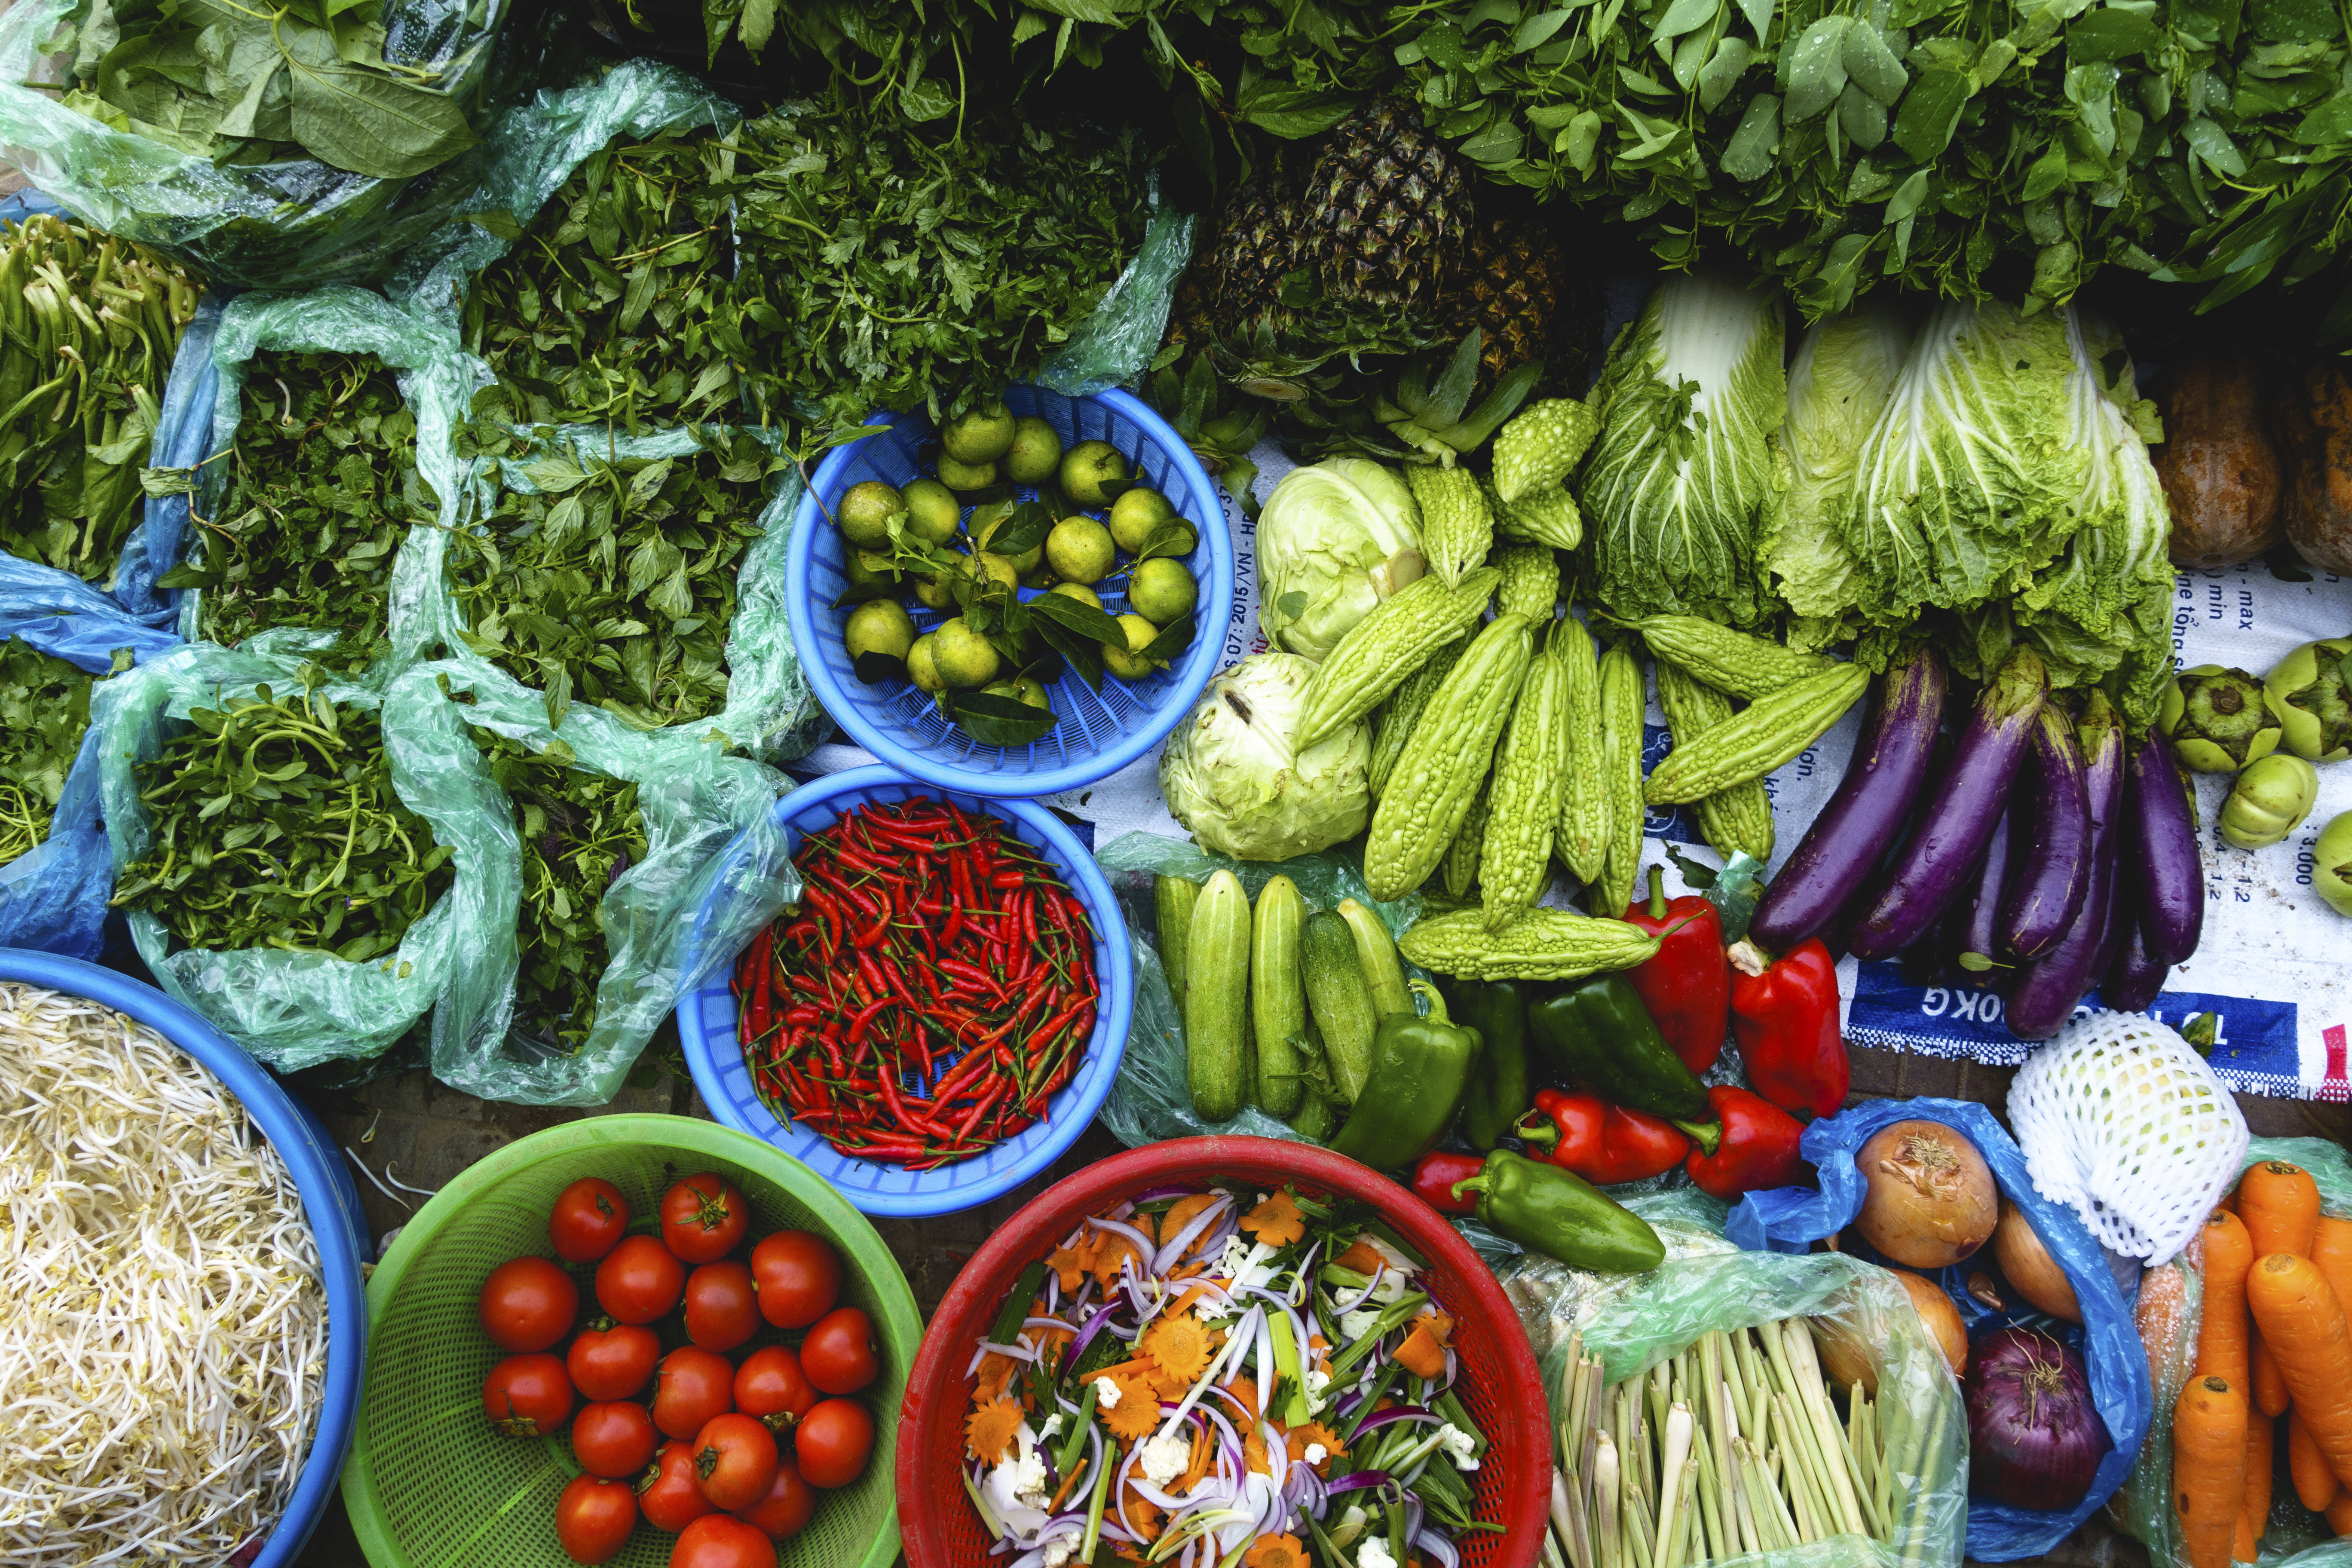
(1859,1458)
(1592,1392)
(1639,1538)
(1754,1386)
(1552,1556)
(1691,1540)
(1566,1521)
(1608,1540)
(1828,1435)
(1805,1462)
(1769,1498)
(1751,1535)
(1677,1454)
(1710,1501)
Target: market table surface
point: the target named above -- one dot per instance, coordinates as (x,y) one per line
(427,1133)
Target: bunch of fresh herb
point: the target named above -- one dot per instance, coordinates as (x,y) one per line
(275,825)
(44,709)
(613,580)
(322,485)
(580,831)
(928,266)
(245,85)
(90,325)
(615,307)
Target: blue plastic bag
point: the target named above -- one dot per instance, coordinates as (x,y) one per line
(1791,1218)
(53,897)
(184,434)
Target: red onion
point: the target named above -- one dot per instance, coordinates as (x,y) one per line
(2035,1438)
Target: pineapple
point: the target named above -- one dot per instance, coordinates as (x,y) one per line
(1518,290)
(1388,209)
(1257,246)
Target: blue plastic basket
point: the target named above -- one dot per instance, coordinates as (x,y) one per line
(1100,732)
(705,1020)
(329,1200)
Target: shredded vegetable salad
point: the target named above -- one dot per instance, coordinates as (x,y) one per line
(1223,1379)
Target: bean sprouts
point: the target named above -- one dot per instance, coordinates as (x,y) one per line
(165,1336)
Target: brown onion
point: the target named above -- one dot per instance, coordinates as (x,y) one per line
(1845,1347)
(2017,1248)
(1941,1318)
(1929,1199)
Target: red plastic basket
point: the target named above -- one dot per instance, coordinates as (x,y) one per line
(1499,1379)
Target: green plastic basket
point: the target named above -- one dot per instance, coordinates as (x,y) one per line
(429,1485)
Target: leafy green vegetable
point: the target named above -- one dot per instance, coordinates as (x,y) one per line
(44,710)
(1336,538)
(276,824)
(322,485)
(92,324)
(1684,471)
(611,581)
(580,832)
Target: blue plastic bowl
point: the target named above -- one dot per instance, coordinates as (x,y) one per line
(1100,732)
(705,1020)
(329,1201)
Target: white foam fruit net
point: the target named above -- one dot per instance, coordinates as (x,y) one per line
(2125,1124)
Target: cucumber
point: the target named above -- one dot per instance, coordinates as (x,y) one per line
(1216,1000)
(1375,955)
(1341,1000)
(1277,995)
(1172,898)
(1316,1119)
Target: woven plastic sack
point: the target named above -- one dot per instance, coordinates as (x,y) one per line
(1792,1218)
(294,1010)
(770,713)
(2124,1123)
(53,897)
(696,801)
(295,224)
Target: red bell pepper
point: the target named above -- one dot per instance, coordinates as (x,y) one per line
(1435,1175)
(1758,1149)
(1784,1013)
(1686,987)
(1605,1144)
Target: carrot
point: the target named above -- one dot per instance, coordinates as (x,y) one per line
(2254,1517)
(2297,1312)
(2209,1462)
(2331,1249)
(2270,1388)
(2221,1340)
(2280,1206)
(2315,1483)
(1422,1352)
(2339,1514)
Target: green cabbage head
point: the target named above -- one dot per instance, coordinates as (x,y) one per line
(1334,540)
(1232,775)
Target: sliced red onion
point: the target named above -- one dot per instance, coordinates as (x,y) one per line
(1440,1550)
(1087,1334)
(1361,1481)
(1452,1368)
(1173,1190)
(1379,1418)
(1143,1244)
(1055,1323)
(1224,1353)
(1339,1309)
(1013,1352)
(1165,1258)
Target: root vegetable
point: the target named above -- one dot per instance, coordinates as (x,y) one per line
(2026,1263)
(1940,1316)
(1930,1200)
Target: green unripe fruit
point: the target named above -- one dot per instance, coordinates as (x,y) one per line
(1079,549)
(2331,864)
(1032,690)
(920,669)
(1035,453)
(965,659)
(2218,719)
(1086,467)
(1026,561)
(997,568)
(979,434)
(2269,801)
(1080,591)
(959,475)
(869,569)
(1136,514)
(2310,694)
(1127,663)
(865,514)
(933,513)
(1161,591)
(878,625)
(937,592)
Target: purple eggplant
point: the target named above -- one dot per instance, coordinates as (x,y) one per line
(1946,846)
(1858,826)
(2048,987)
(2134,979)
(2167,870)
(2054,863)
(1977,914)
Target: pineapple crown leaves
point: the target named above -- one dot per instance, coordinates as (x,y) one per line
(1436,419)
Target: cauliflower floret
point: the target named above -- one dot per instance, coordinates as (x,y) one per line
(1058,1552)
(1318,1380)
(1316,1453)
(1374,1554)
(1355,1325)
(1106,1394)
(1020,1481)
(1050,1429)
(1164,1458)
(1458,1445)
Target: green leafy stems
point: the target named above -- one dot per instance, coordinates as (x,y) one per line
(44,710)
(276,824)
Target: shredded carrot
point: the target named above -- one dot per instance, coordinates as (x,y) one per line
(1114,1250)
(990,1428)
(1189,1300)
(1068,1262)
(1198,1465)
(1422,1352)
(1362,1257)
(1181,1213)
(1275,1222)
(995,1371)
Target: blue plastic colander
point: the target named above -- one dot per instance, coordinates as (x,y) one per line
(706,1020)
(1100,732)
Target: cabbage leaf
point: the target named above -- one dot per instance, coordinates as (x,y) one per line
(1335,540)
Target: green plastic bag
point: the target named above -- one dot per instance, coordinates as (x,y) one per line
(294,1010)
(696,800)
(1115,344)
(1633,1322)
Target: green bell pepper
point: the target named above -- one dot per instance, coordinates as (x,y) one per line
(1499,1094)
(1560,1215)
(1597,1032)
(1421,1068)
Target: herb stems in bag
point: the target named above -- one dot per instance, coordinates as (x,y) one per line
(580,832)
(322,483)
(612,581)
(92,324)
(275,825)
(44,709)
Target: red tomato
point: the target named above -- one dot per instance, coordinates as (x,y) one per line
(613,1362)
(720,1313)
(593,1518)
(734,1459)
(770,1385)
(838,1354)
(639,1280)
(785,1511)
(695,1385)
(702,1218)
(799,1277)
(669,1493)
(717,1541)
(588,1221)
(834,1442)
(614,1439)
(527,1304)
(527,1395)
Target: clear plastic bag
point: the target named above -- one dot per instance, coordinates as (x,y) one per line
(1116,341)
(294,1010)
(696,801)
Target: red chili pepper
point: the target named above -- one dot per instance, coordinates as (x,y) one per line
(1686,987)
(1759,1150)
(1784,1014)
(1435,1174)
(1564,1130)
